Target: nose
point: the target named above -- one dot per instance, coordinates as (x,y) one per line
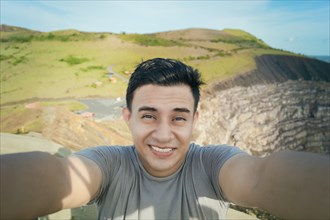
(163,133)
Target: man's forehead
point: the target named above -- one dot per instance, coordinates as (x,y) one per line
(176,98)
(158,90)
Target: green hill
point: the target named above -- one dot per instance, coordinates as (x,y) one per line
(59,67)
(67,63)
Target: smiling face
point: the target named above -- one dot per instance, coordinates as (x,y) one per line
(161,122)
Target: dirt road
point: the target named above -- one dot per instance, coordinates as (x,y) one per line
(113,73)
(104,109)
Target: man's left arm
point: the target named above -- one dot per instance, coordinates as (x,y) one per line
(293,185)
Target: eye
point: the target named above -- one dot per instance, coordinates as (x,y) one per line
(148,117)
(179,118)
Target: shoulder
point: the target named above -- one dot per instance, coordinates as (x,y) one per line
(214,150)
(106,150)
(212,155)
(107,154)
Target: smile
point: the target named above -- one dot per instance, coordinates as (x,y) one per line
(162,150)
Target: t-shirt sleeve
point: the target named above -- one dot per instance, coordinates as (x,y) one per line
(108,160)
(213,158)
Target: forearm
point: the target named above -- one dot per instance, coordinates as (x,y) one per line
(295,185)
(29,185)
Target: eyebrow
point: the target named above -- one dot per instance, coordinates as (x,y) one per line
(182,110)
(147,108)
(152,109)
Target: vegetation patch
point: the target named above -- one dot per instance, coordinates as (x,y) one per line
(90,68)
(17,38)
(149,40)
(243,42)
(20,59)
(64,36)
(72,60)
(14,59)
(5,57)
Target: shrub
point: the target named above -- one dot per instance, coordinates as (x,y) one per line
(18,60)
(149,40)
(72,60)
(18,38)
(5,57)
(89,68)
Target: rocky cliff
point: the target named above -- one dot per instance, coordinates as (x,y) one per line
(279,68)
(283,104)
(75,132)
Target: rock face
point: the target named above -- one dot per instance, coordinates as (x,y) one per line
(75,132)
(279,68)
(262,118)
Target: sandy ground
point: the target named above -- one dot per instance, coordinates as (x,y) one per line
(11,143)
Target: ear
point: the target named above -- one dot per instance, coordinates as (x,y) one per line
(126,115)
(196,117)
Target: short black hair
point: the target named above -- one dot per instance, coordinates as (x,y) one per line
(164,72)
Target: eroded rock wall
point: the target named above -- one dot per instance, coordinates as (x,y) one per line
(266,118)
(278,68)
(75,132)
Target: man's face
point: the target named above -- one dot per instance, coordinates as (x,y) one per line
(161,121)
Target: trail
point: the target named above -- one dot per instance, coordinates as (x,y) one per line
(106,109)
(111,72)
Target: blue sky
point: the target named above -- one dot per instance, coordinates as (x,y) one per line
(300,26)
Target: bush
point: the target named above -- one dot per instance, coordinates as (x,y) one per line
(149,40)
(18,60)
(18,38)
(5,57)
(89,68)
(72,60)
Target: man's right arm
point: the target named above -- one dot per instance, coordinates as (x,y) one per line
(35,184)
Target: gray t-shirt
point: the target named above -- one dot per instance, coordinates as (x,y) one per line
(128,191)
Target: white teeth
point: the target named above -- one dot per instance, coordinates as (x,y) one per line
(162,150)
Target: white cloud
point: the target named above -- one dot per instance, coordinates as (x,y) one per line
(291,39)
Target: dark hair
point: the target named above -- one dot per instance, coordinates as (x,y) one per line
(164,72)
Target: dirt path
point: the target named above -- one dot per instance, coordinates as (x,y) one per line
(111,72)
(104,109)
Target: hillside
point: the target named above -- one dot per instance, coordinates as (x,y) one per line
(57,68)
(8,28)
(66,64)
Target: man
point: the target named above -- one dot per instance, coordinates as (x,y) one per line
(164,176)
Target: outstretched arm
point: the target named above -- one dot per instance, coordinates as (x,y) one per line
(35,184)
(293,185)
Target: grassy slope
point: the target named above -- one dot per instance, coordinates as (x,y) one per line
(44,66)
(66,64)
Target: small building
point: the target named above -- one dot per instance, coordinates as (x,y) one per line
(87,114)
